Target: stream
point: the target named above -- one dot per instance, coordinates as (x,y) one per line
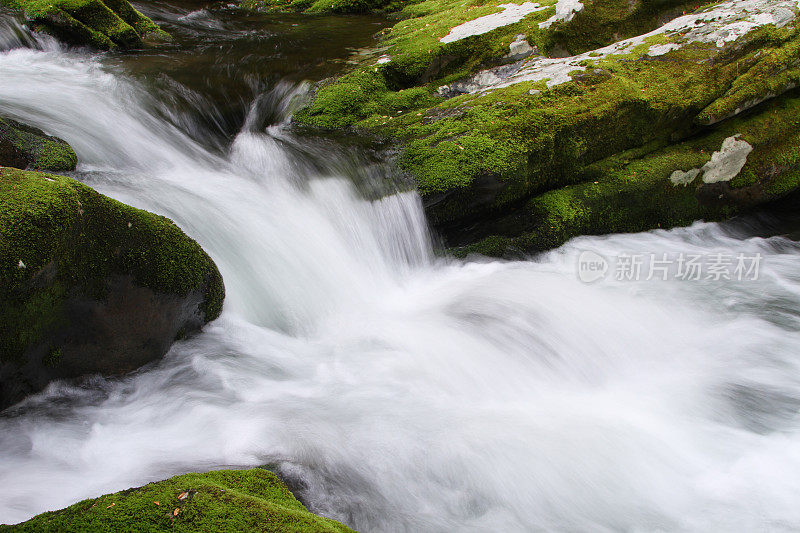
(394,388)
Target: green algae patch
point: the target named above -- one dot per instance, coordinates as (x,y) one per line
(219,501)
(104,285)
(102,24)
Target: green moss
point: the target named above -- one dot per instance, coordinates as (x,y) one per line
(342,104)
(418,57)
(541,141)
(475,156)
(631,197)
(55,156)
(783,184)
(102,24)
(775,70)
(631,191)
(604,21)
(349,6)
(220,501)
(21,145)
(60,238)
(53,357)
(323,6)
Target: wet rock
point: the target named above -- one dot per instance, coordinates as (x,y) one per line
(22,146)
(102,24)
(89,285)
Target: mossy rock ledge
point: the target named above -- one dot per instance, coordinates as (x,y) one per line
(221,501)
(89,285)
(101,24)
(527,123)
(26,147)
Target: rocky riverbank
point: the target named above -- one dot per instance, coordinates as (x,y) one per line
(525,124)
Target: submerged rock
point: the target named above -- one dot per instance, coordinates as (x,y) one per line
(23,146)
(90,285)
(497,149)
(102,24)
(224,500)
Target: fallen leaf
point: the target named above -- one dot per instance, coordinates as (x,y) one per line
(176,511)
(183,495)
(156,503)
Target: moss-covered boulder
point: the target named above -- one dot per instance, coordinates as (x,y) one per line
(221,501)
(90,285)
(504,110)
(712,176)
(102,24)
(23,146)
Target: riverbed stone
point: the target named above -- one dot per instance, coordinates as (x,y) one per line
(26,147)
(222,501)
(483,138)
(89,285)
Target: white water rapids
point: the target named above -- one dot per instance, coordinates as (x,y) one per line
(401,392)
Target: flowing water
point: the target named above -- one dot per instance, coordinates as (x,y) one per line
(395,390)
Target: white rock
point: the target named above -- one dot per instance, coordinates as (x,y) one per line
(565,10)
(661,49)
(720,24)
(511,14)
(679,177)
(728,162)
